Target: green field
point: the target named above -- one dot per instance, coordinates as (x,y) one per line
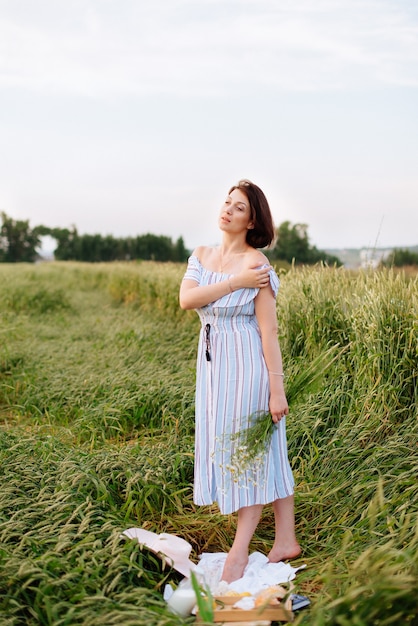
(96,409)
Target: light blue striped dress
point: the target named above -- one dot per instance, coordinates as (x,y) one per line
(230,388)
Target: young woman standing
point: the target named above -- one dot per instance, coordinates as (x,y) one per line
(239,374)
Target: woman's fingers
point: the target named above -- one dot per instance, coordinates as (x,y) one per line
(277,415)
(263,278)
(255,277)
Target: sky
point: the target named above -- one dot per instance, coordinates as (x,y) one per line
(127,117)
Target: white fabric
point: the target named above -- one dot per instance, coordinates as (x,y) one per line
(258,575)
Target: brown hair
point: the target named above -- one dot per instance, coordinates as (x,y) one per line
(263,233)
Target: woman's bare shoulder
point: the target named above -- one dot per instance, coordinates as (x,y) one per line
(203,253)
(258,258)
(198,251)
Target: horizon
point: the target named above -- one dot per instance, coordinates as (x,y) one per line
(47,244)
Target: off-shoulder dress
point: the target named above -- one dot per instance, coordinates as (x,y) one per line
(232,386)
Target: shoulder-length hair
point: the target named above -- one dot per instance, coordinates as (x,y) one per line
(263,232)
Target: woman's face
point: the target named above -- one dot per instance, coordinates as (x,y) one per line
(235,215)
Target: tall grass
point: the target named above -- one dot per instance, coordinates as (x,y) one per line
(96,404)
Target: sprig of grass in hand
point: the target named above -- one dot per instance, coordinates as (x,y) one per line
(251,443)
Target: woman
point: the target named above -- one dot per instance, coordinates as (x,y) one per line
(239,373)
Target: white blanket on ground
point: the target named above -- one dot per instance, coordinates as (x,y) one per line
(259,573)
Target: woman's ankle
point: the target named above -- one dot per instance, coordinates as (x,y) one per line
(284,551)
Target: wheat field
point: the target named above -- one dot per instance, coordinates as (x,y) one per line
(96,412)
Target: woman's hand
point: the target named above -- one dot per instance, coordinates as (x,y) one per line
(278,407)
(252,277)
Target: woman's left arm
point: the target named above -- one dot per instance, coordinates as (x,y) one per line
(265,310)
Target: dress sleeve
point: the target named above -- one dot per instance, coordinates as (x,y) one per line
(194,269)
(274,282)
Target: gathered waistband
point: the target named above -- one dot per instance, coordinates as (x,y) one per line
(228,324)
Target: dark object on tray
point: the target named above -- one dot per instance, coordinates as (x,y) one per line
(299,602)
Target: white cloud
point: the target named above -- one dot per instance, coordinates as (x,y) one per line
(167,46)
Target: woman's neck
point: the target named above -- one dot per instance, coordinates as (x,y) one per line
(231,246)
(229,253)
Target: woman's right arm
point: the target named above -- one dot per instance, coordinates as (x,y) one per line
(195,296)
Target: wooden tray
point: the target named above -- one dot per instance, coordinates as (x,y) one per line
(271,612)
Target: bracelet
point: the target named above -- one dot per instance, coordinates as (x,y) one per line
(276,373)
(230,286)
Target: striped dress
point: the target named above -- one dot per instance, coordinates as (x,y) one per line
(232,385)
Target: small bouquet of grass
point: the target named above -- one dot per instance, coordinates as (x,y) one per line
(250,444)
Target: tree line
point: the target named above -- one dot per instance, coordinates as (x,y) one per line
(20,243)
(401,257)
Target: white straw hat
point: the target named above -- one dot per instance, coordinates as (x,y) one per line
(175,549)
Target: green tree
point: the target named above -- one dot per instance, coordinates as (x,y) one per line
(18,241)
(180,251)
(152,248)
(400,257)
(292,245)
(67,243)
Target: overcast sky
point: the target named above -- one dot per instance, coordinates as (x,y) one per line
(125,117)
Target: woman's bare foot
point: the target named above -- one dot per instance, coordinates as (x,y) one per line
(234,567)
(283,552)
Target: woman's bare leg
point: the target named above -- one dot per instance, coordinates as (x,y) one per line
(237,559)
(285,544)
